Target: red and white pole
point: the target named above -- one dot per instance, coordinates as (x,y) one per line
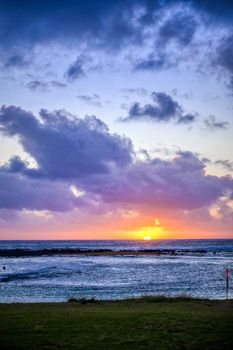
(227,282)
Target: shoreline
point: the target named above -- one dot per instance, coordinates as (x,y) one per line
(140,299)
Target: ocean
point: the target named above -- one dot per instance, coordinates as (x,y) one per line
(197,270)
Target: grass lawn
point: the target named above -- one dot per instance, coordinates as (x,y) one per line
(147,323)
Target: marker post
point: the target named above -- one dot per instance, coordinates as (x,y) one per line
(227,282)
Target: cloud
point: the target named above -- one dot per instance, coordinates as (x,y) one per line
(37,85)
(16,61)
(224,58)
(150,29)
(222,209)
(103,22)
(76,192)
(45,214)
(90,99)
(138,91)
(180,27)
(155,62)
(225,163)
(57,84)
(212,124)
(85,145)
(221,10)
(178,183)
(76,69)
(80,164)
(187,119)
(47,21)
(14,165)
(82,65)
(18,192)
(163,109)
(42,86)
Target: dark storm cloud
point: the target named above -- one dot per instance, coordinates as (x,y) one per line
(44,21)
(112,26)
(163,109)
(212,124)
(221,10)
(85,145)
(180,27)
(107,22)
(69,150)
(224,59)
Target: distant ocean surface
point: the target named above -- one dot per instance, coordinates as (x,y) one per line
(58,278)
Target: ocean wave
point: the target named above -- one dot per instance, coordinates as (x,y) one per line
(48,272)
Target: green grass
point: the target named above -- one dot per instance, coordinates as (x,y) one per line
(146,323)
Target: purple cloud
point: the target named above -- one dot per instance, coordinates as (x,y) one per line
(14,165)
(163,109)
(85,146)
(19,192)
(179,183)
(82,152)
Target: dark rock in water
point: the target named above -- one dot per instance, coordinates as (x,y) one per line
(77,251)
(198,251)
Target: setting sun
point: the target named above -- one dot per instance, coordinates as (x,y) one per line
(147,238)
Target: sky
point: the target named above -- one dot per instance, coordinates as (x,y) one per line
(116,119)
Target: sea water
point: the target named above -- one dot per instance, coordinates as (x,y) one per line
(58,278)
